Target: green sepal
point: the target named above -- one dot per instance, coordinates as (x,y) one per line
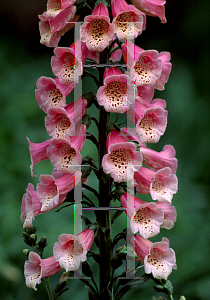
(60,286)
(103,1)
(86,269)
(86,120)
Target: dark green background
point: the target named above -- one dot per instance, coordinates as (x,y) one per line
(23,60)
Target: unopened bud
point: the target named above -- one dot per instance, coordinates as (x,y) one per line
(33,238)
(26,252)
(182,298)
(43,242)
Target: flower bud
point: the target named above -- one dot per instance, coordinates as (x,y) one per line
(26,252)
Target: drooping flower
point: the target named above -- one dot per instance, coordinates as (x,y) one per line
(157,257)
(169,214)
(117,92)
(128,21)
(52,28)
(150,121)
(122,159)
(146,66)
(51,93)
(159,160)
(161,184)
(52,192)
(61,121)
(116,55)
(31,206)
(66,64)
(37,268)
(55,7)
(97,30)
(72,249)
(153,8)
(142,217)
(37,153)
(63,156)
(146,217)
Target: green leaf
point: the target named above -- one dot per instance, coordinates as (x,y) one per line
(131,285)
(115,215)
(86,220)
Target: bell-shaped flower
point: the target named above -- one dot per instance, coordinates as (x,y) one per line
(161,184)
(52,28)
(154,8)
(157,257)
(37,268)
(61,121)
(130,135)
(132,205)
(51,93)
(116,55)
(72,249)
(159,160)
(146,217)
(145,93)
(55,7)
(117,92)
(97,30)
(38,152)
(146,66)
(63,156)
(128,21)
(169,214)
(30,207)
(122,159)
(66,64)
(150,122)
(51,191)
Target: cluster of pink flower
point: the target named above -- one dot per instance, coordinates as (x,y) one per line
(130,91)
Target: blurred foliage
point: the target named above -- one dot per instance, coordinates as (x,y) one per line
(23,61)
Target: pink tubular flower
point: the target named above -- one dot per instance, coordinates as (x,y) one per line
(159,160)
(31,206)
(61,121)
(117,93)
(122,159)
(153,8)
(145,93)
(150,122)
(38,153)
(116,55)
(147,67)
(52,28)
(55,7)
(166,69)
(161,184)
(51,191)
(97,30)
(158,258)
(72,249)
(63,156)
(66,64)
(169,214)
(37,268)
(51,93)
(128,21)
(146,218)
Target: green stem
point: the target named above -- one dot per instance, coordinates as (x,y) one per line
(48,287)
(104,219)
